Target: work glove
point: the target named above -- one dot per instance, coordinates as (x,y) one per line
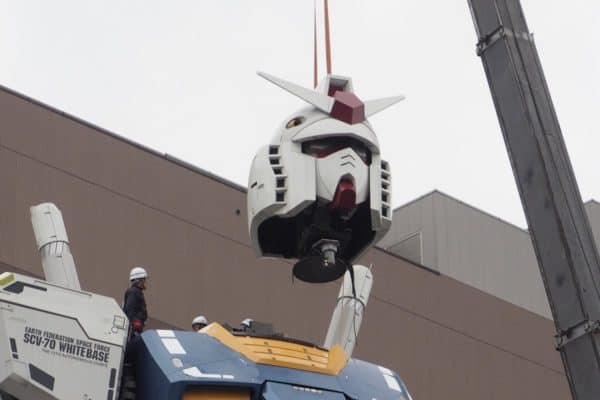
(137,325)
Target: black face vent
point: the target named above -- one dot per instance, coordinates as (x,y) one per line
(386,190)
(278,171)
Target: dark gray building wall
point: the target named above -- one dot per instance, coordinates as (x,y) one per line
(474,247)
(124,205)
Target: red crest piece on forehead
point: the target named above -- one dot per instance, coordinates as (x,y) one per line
(338,101)
(347,108)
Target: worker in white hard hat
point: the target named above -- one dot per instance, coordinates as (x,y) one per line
(134,304)
(199,322)
(246,324)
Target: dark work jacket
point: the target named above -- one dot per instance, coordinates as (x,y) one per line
(134,304)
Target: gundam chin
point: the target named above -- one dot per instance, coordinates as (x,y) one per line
(319,193)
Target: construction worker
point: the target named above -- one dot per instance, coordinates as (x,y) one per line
(199,322)
(246,325)
(134,304)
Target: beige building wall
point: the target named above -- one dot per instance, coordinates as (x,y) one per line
(125,205)
(474,247)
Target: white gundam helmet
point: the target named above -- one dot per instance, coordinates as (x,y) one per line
(320,192)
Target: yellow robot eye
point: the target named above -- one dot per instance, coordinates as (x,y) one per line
(294,122)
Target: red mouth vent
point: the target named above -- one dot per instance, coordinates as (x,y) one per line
(344,200)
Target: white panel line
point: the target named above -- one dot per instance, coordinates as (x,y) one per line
(173,346)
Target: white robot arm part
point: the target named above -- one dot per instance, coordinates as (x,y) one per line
(62,343)
(348,314)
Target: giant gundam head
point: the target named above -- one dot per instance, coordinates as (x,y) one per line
(320,192)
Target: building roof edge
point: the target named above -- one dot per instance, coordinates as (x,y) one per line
(164,156)
(479,210)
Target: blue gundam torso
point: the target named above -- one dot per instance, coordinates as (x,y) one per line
(178,365)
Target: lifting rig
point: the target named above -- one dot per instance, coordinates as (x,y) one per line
(560,231)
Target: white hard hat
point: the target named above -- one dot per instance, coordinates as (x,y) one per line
(137,273)
(247,322)
(200,319)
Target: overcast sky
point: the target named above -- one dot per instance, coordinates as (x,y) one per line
(179,77)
